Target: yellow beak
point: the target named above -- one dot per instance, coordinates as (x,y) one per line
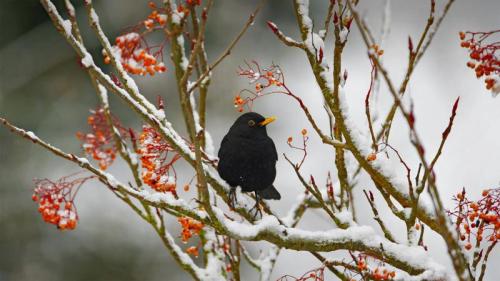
(267,121)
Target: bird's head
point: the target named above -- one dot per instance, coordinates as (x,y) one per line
(251,125)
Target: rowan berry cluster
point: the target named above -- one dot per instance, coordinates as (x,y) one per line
(477,221)
(158,159)
(190,227)
(263,80)
(157,17)
(135,58)
(99,142)
(193,250)
(485,59)
(377,273)
(55,200)
(317,274)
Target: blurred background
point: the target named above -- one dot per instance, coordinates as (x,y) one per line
(43,89)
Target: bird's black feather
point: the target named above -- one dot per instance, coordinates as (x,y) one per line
(247,157)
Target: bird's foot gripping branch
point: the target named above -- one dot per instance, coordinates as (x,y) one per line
(247,156)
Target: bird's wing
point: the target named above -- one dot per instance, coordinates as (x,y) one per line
(222,146)
(275,152)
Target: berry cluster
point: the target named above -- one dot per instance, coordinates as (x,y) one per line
(378,273)
(484,57)
(193,250)
(477,219)
(317,274)
(55,200)
(155,158)
(99,142)
(134,58)
(190,227)
(262,79)
(156,18)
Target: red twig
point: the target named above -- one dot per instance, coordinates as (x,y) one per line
(305,138)
(367,104)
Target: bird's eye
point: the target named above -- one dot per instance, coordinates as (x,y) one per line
(251,123)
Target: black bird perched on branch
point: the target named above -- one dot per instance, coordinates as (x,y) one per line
(247,158)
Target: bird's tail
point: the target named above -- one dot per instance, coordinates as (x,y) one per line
(269,193)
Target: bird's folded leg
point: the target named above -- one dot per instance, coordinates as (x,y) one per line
(256,207)
(232,198)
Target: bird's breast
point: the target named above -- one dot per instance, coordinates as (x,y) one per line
(249,163)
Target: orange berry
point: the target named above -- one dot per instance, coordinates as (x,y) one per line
(152,5)
(372,156)
(303,132)
(71,224)
(192,251)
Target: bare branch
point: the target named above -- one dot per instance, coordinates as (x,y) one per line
(228,50)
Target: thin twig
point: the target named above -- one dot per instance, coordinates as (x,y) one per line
(228,50)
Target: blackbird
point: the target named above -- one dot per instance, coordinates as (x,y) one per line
(247,158)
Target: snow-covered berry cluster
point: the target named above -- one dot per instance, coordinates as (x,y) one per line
(55,200)
(190,227)
(379,272)
(157,17)
(156,161)
(484,55)
(477,221)
(99,142)
(135,58)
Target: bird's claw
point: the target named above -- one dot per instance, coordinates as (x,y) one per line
(257,210)
(256,207)
(232,198)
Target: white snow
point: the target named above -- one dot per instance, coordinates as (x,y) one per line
(343,34)
(70,8)
(184,61)
(87,60)
(32,136)
(381,164)
(102,91)
(66,24)
(303,8)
